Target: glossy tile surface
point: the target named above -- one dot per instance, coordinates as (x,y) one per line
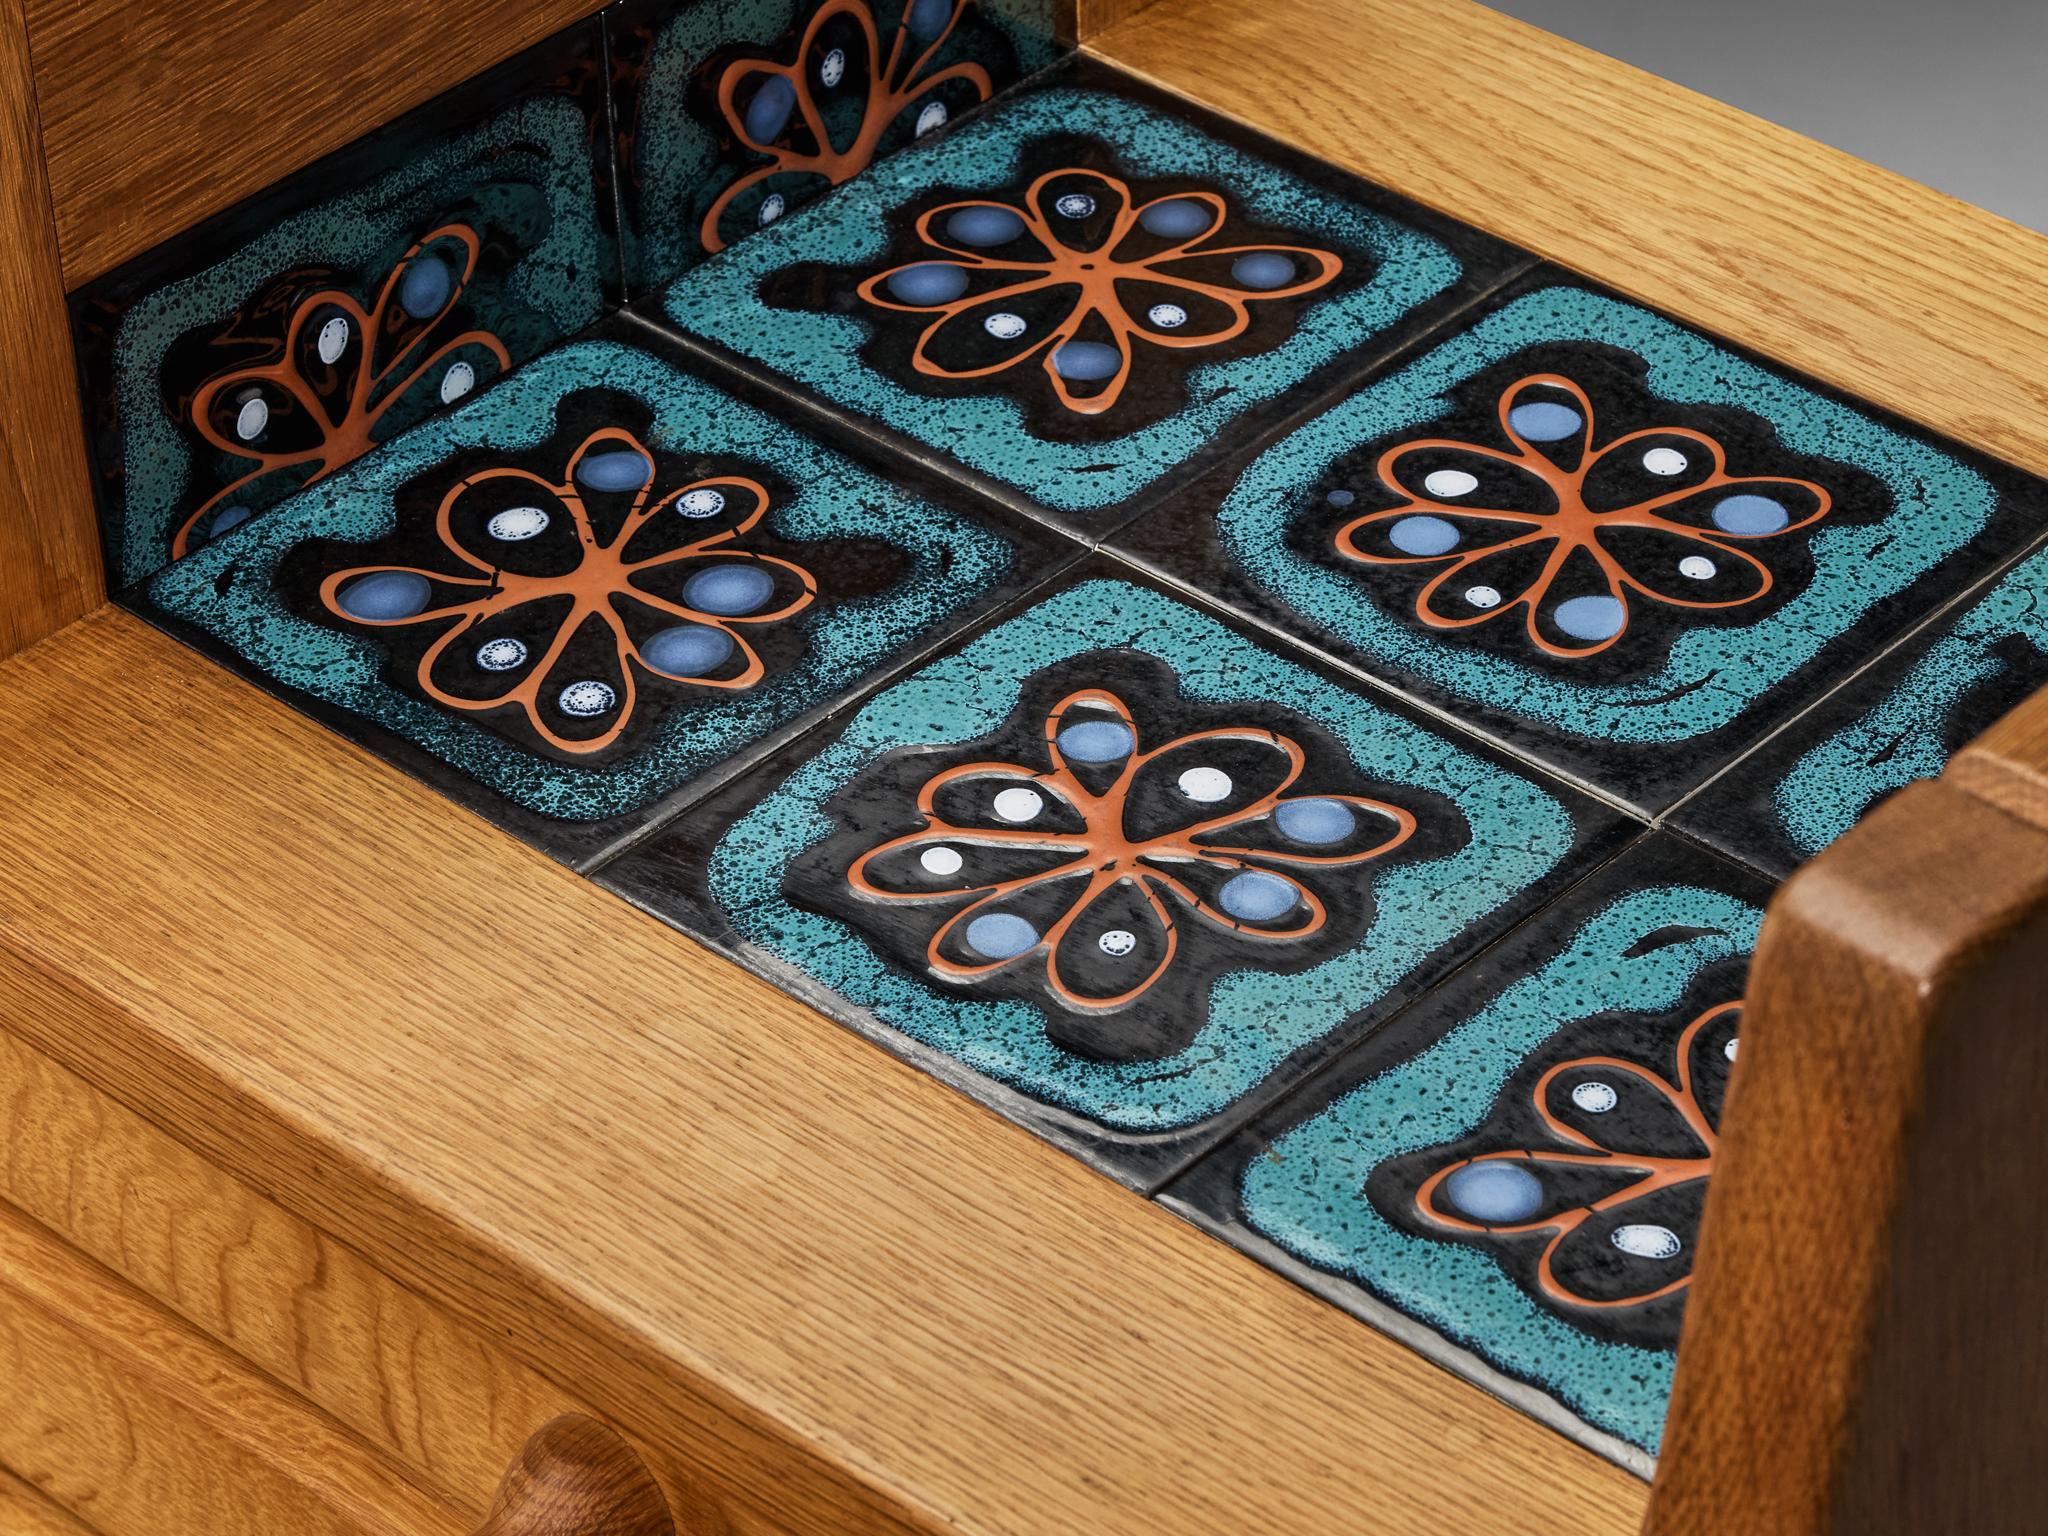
(1623,548)
(271,346)
(733,113)
(1084,293)
(1511,1176)
(1115,867)
(1903,720)
(591,588)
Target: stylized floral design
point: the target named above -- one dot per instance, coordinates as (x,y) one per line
(341,371)
(558,610)
(1077,271)
(1089,867)
(1503,1193)
(1568,529)
(777,110)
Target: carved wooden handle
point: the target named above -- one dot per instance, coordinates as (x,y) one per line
(575,1477)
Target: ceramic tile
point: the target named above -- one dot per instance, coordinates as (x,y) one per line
(731,113)
(577,600)
(1115,867)
(1510,1177)
(1084,293)
(1624,548)
(268,347)
(1902,720)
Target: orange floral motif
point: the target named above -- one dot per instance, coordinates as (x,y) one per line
(1558,514)
(591,579)
(1061,841)
(1652,1174)
(1080,272)
(341,371)
(891,84)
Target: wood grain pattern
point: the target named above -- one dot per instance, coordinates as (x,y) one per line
(1863,1349)
(856,1301)
(157,113)
(49,540)
(1876,283)
(139,1425)
(25,1512)
(1083,19)
(577,1478)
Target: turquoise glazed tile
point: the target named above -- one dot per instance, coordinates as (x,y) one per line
(577,601)
(733,113)
(1116,868)
(1622,547)
(1511,1176)
(1900,721)
(268,347)
(1084,292)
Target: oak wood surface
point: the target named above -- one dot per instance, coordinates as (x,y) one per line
(857,1301)
(24,1511)
(1873,282)
(577,1478)
(49,541)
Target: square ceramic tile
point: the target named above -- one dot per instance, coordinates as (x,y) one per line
(1083,293)
(593,589)
(1115,867)
(1900,721)
(732,113)
(270,346)
(1510,1177)
(1620,546)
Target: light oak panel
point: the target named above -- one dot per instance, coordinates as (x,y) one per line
(1879,284)
(857,1301)
(25,1512)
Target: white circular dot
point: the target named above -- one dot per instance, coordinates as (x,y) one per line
(1595,1098)
(1450,483)
(1206,785)
(1697,568)
(1118,942)
(458,381)
(1728,1050)
(1483,597)
(251,419)
(771,209)
(333,339)
(500,655)
(933,116)
(1647,1241)
(516,523)
(1019,804)
(1665,461)
(587,698)
(940,861)
(1076,205)
(832,68)
(1004,326)
(1167,316)
(703,502)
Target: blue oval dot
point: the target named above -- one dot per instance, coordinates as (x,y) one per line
(1316,821)
(1590,618)
(1263,269)
(1087,361)
(1545,421)
(423,291)
(984,225)
(1495,1192)
(1000,935)
(927,18)
(687,650)
(1256,897)
(728,590)
(928,282)
(1340,498)
(1097,741)
(1175,219)
(768,113)
(385,595)
(226,518)
(1423,535)
(617,469)
(1750,514)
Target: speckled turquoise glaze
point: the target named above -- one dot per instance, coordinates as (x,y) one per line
(536,144)
(1899,739)
(1255,1018)
(1938,506)
(1307,1192)
(952,562)
(720,299)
